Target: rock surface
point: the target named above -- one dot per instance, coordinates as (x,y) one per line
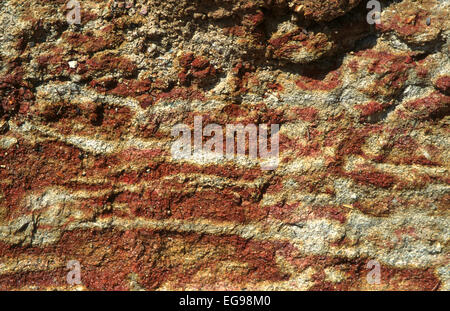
(87,174)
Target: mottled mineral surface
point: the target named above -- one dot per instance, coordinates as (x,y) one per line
(87,173)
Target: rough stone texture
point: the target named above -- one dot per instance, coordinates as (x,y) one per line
(86,171)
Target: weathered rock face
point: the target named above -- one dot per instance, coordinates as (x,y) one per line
(87,172)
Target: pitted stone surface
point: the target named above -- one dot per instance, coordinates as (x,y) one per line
(87,174)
